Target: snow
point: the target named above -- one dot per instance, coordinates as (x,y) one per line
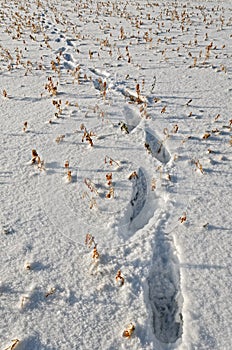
(136,96)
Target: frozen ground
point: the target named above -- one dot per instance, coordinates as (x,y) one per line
(135,98)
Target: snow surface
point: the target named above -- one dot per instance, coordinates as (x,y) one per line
(149,84)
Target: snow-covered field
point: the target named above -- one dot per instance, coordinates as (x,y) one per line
(115,175)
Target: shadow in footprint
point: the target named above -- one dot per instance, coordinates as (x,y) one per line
(139,210)
(156,147)
(132,117)
(164,291)
(33,343)
(139,193)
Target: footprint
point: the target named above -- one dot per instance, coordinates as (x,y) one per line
(69,42)
(131,116)
(100,73)
(101,78)
(139,193)
(141,208)
(60,50)
(156,147)
(164,290)
(68,57)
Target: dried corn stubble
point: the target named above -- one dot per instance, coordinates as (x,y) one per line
(119,278)
(153,184)
(95,254)
(111,161)
(23,301)
(59,138)
(148,147)
(183,218)
(66,164)
(110,194)
(163,110)
(87,135)
(206,136)
(25,125)
(51,87)
(91,186)
(93,203)
(128,331)
(27,265)
(35,156)
(69,176)
(41,164)
(133,175)
(14,344)
(50,292)
(4,93)
(175,129)
(199,166)
(89,240)
(109,179)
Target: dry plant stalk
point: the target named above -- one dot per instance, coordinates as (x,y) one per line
(35,156)
(95,255)
(90,185)
(138,90)
(92,203)
(103,89)
(119,279)
(148,148)
(23,301)
(153,184)
(66,164)
(14,344)
(4,93)
(89,240)
(90,54)
(160,147)
(59,138)
(194,63)
(124,127)
(183,218)
(41,165)
(87,136)
(143,111)
(34,153)
(128,331)
(51,87)
(109,179)
(27,265)
(50,292)
(175,128)
(69,176)
(110,161)
(199,166)
(92,200)
(217,117)
(57,104)
(122,34)
(110,194)
(163,110)
(133,175)
(139,99)
(206,136)
(25,125)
